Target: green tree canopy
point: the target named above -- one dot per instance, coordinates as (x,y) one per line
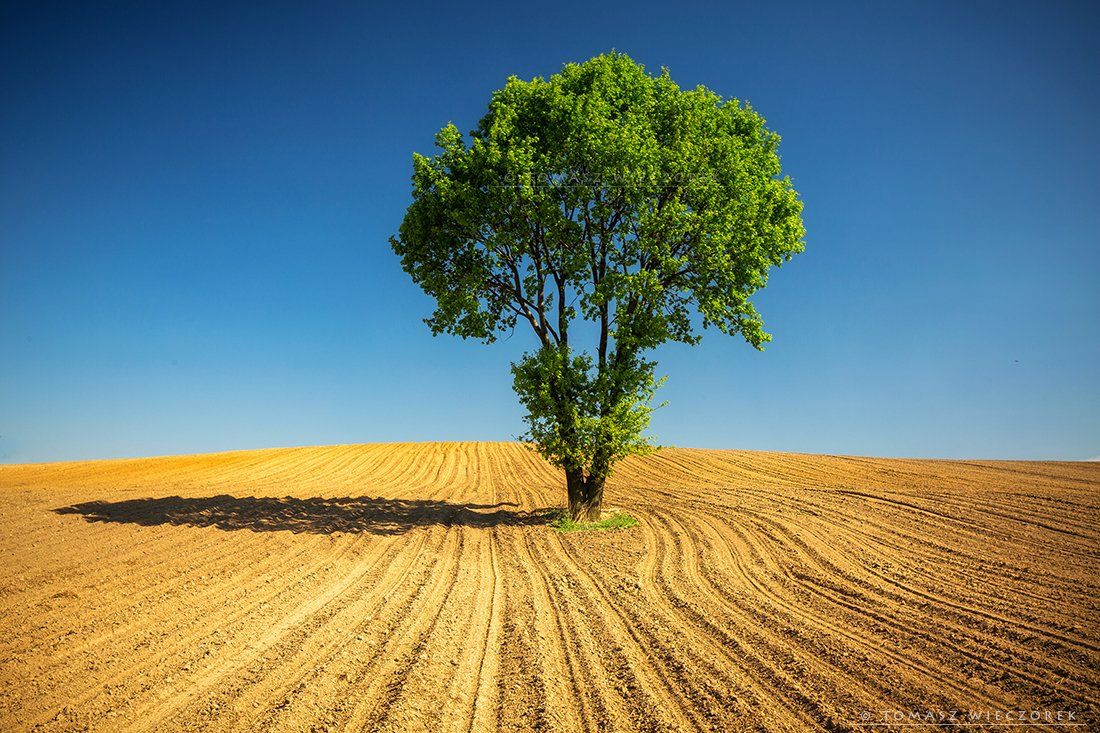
(607,195)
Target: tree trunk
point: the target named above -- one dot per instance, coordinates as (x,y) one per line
(593,500)
(585,496)
(574,486)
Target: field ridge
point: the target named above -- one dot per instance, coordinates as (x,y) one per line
(417,586)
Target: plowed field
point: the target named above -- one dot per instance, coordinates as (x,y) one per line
(409,587)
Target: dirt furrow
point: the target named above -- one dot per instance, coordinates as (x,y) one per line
(407,587)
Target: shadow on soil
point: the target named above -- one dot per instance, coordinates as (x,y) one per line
(317,515)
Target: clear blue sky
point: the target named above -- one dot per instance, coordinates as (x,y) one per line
(195,201)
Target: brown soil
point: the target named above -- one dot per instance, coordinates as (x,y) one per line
(410,587)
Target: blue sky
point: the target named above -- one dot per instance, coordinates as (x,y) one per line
(195,202)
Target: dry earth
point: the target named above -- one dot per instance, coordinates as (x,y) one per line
(411,587)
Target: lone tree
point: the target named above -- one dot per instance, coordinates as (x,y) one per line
(609,204)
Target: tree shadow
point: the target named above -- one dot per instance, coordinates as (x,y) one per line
(316,515)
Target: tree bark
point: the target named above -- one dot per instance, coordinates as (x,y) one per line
(574,487)
(585,496)
(593,501)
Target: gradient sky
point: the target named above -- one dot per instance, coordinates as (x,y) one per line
(195,201)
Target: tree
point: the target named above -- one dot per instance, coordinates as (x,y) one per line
(603,203)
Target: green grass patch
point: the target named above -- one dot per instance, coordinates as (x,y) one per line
(559,520)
